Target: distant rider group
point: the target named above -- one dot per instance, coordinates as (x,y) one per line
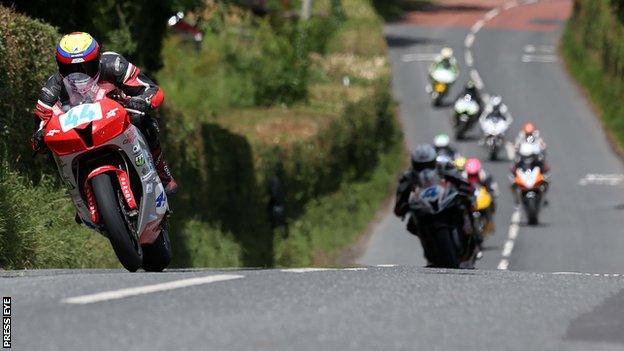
(450,201)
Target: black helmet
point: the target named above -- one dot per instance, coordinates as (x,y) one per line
(423,157)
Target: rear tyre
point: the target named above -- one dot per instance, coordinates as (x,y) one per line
(446,251)
(157,255)
(127,251)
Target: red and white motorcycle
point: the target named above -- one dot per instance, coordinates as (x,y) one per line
(105,162)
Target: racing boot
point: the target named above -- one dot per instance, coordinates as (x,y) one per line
(162,168)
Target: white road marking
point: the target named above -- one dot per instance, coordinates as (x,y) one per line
(305,270)
(476,78)
(354,269)
(419,57)
(468,58)
(512,235)
(529,49)
(508,248)
(491,14)
(148,289)
(386,265)
(470,38)
(477,26)
(509,5)
(539,58)
(511,150)
(602,179)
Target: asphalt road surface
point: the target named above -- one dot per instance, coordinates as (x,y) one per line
(552,287)
(373,308)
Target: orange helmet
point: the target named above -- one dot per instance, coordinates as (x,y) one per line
(528,129)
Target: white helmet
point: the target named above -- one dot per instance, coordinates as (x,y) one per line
(446,53)
(496,101)
(441,141)
(527,149)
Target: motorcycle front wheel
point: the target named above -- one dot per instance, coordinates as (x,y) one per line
(127,250)
(157,255)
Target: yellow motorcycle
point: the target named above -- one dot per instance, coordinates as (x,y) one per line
(483,212)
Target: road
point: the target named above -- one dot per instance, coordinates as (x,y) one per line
(581,230)
(374,308)
(561,286)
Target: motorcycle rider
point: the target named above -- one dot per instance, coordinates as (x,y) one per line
(443,148)
(471,89)
(529,156)
(424,157)
(476,175)
(530,134)
(496,109)
(445,61)
(78,52)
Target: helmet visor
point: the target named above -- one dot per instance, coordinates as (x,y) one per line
(90,68)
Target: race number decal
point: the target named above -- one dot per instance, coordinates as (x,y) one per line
(80,114)
(161,200)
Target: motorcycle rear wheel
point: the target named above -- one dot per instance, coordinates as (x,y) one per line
(128,252)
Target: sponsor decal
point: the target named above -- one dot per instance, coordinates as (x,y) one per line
(161,200)
(130,136)
(125,189)
(52,132)
(149,188)
(112,113)
(139,160)
(136,148)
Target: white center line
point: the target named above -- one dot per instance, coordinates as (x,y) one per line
(476,78)
(148,289)
(469,40)
(511,150)
(477,26)
(491,14)
(468,58)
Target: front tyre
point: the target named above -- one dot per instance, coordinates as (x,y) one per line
(157,255)
(128,252)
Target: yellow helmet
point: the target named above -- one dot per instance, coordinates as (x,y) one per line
(460,162)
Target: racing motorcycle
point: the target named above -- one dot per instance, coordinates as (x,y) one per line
(466,114)
(441,82)
(434,207)
(493,128)
(483,212)
(530,185)
(106,164)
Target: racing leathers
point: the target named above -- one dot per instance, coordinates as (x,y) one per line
(124,82)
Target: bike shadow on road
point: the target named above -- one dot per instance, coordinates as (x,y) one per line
(604,323)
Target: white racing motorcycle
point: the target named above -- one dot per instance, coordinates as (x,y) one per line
(466,114)
(494,128)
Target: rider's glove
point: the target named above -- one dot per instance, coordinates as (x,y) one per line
(37,143)
(139,103)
